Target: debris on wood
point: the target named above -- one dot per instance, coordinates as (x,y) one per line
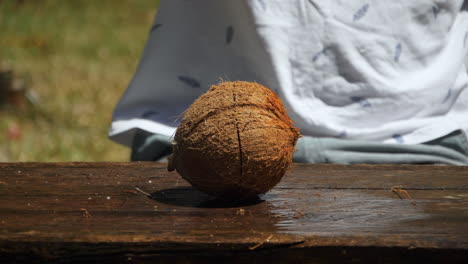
(299,214)
(143,192)
(261,243)
(240,211)
(85,212)
(130,191)
(402,193)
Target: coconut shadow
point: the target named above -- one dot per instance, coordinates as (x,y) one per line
(191,197)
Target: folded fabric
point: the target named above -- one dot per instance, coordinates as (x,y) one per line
(451,149)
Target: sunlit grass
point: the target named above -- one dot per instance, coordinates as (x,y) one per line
(79,57)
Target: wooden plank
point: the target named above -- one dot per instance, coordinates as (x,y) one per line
(377,176)
(106,178)
(78,210)
(282,212)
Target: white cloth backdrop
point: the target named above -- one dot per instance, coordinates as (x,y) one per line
(384,71)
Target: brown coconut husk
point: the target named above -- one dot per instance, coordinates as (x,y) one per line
(235,142)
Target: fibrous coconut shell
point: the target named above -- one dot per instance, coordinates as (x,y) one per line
(235,141)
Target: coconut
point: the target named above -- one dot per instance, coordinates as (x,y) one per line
(235,142)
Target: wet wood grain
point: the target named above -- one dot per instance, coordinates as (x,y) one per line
(318,214)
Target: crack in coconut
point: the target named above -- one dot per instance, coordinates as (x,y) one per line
(241,158)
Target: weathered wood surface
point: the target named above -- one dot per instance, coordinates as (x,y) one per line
(318,214)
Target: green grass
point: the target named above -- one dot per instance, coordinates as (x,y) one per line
(79,56)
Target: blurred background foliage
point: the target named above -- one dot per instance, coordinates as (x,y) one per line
(75,58)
